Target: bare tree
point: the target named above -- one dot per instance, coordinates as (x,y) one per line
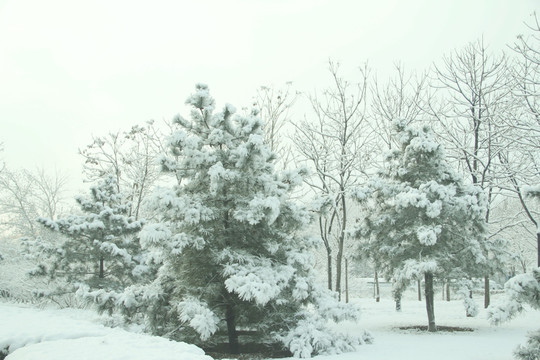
(400,97)
(131,157)
(522,164)
(334,144)
(474,87)
(19,211)
(26,195)
(275,106)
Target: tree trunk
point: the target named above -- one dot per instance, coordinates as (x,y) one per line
(338,273)
(448,291)
(398,303)
(230,317)
(538,246)
(329,264)
(443,291)
(467,312)
(341,241)
(486,292)
(377,289)
(419,290)
(429,301)
(346,280)
(101,269)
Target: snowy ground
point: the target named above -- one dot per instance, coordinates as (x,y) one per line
(29,334)
(69,334)
(485,342)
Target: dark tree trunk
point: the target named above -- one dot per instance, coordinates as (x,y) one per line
(377,289)
(338,274)
(486,292)
(419,290)
(329,259)
(339,259)
(398,303)
(538,247)
(429,301)
(101,269)
(448,291)
(346,280)
(230,317)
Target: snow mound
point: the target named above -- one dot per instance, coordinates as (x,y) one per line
(117,345)
(28,333)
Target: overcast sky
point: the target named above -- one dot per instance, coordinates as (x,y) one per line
(70,69)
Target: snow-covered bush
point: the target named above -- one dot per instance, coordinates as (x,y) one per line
(229,245)
(520,290)
(464,290)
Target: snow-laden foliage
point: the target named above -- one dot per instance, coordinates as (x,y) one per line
(520,290)
(464,290)
(100,252)
(229,244)
(421,218)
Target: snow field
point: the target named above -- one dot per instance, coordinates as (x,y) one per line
(485,342)
(76,334)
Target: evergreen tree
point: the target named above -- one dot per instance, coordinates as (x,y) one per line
(230,248)
(521,289)
(100,252)
(422,221)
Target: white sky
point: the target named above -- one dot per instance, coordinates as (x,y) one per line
(70,69)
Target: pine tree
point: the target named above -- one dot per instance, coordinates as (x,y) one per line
(521,289)
(422,221)
(100,253)
(231,253)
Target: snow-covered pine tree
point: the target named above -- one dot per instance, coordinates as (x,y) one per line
(422,221)
(100,252)
(230,244)
(519,290)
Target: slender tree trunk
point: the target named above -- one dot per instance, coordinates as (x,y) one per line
(346,280)
(338,275)
(486,292)
(230,318)
(324,231)
(538,246)
(398,303)
(339,259)
(329,264)
(377,289)
(448,291)
(101,268)
(419,290)
(429,301)
(443,291)
(467,312)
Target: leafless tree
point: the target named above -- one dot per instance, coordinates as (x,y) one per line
(334,144)
(401,97)
(132,157)
(275,106)
(522,164)
(26,195)
(473,84)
